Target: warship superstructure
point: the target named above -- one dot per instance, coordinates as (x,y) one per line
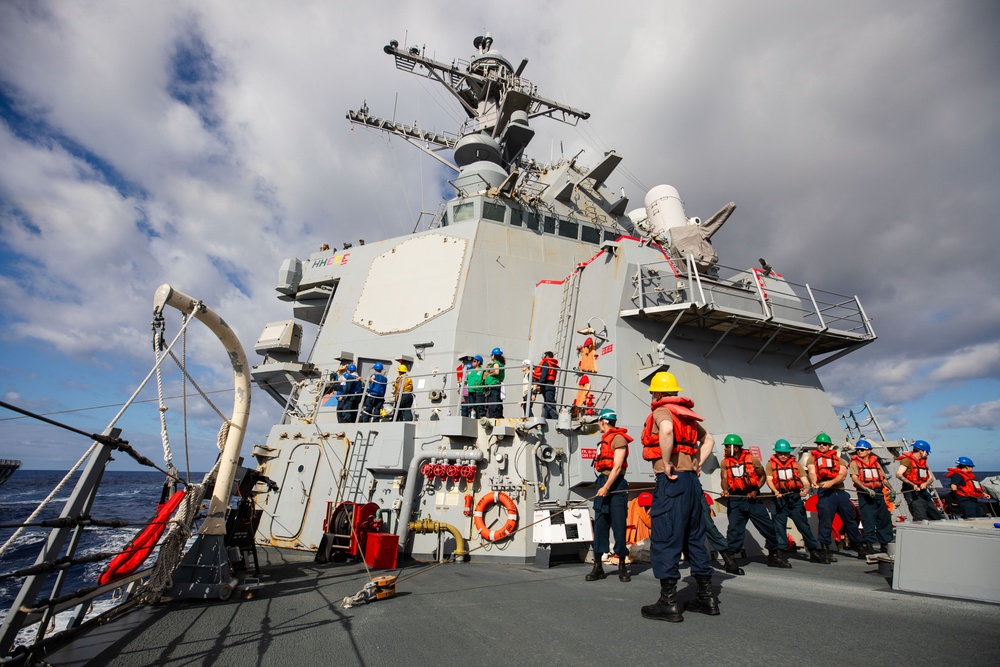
(531,258)
(528,257)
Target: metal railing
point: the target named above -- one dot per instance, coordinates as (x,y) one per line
(672,284)
(439,395)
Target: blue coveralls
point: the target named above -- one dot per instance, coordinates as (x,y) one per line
(715,538)
(875,518)
(742,509)
(372,409)
(829,503)
(677,525)
(611,512)
(347,406)
(921,504)
(790,506)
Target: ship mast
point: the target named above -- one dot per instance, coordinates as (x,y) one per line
(490,92)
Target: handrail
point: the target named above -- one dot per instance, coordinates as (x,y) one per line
(600,389)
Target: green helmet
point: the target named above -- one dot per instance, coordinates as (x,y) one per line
(782,447)
(823,439)
(733,439)
(609,414)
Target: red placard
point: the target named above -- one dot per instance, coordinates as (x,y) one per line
(588,454)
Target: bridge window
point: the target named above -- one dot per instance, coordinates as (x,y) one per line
(494,211)
(466,211)
(515,217)
(568,229)
(550,224)
(590,234)
(532,221)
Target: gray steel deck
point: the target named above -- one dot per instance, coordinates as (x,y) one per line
(494,614)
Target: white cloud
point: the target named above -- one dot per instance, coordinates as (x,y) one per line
(983,416)
(976,361)
(858,141)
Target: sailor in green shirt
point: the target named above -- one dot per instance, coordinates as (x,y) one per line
(477,396)
(493,379)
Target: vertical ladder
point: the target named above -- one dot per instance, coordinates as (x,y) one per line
(356,469)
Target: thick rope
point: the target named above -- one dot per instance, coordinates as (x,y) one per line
(172,547)
(184,406)
(168,456)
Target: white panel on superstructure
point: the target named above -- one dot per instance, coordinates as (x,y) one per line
(410,284)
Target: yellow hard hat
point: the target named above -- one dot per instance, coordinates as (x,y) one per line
(402,368)
(664,383)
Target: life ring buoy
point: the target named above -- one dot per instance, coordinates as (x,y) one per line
(136,551)
(508,527)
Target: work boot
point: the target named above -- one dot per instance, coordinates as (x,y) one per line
(667,607)
(775,558)
(729,558)
(623,574)
(883,548)
(817,556)
(827,554)
(704,603)
(597,572)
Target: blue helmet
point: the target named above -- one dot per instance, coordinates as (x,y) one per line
(478,358)
(352,368)
(863,444)
(608,414)
(378,366)
(965,461)
(922,446)
(497,352)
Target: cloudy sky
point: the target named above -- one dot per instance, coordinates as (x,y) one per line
(201,143)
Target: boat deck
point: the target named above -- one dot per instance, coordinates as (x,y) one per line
(502,614)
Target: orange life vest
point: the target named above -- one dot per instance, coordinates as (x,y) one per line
(605,460)
(741,473)
(786,476)
(545,371)
(827,465)
(869,471)
(916,469)
(685,428)
(970,485)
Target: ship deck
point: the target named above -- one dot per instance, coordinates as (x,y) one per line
(507,614)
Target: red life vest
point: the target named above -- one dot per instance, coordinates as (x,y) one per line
(685,428)
(827,465)
(970,485)
(786,476)
(605,460)
(545,371)
(869,471)
(916,469)
(741,473)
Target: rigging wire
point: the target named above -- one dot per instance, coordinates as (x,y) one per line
(105,407)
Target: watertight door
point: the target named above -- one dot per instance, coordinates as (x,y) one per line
(296,490)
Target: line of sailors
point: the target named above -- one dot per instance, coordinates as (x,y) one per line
(353,393)
(743,475)
(677,445)
(480,389)
(481,385)
(826,473)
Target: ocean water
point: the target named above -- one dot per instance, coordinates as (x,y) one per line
(125,496)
